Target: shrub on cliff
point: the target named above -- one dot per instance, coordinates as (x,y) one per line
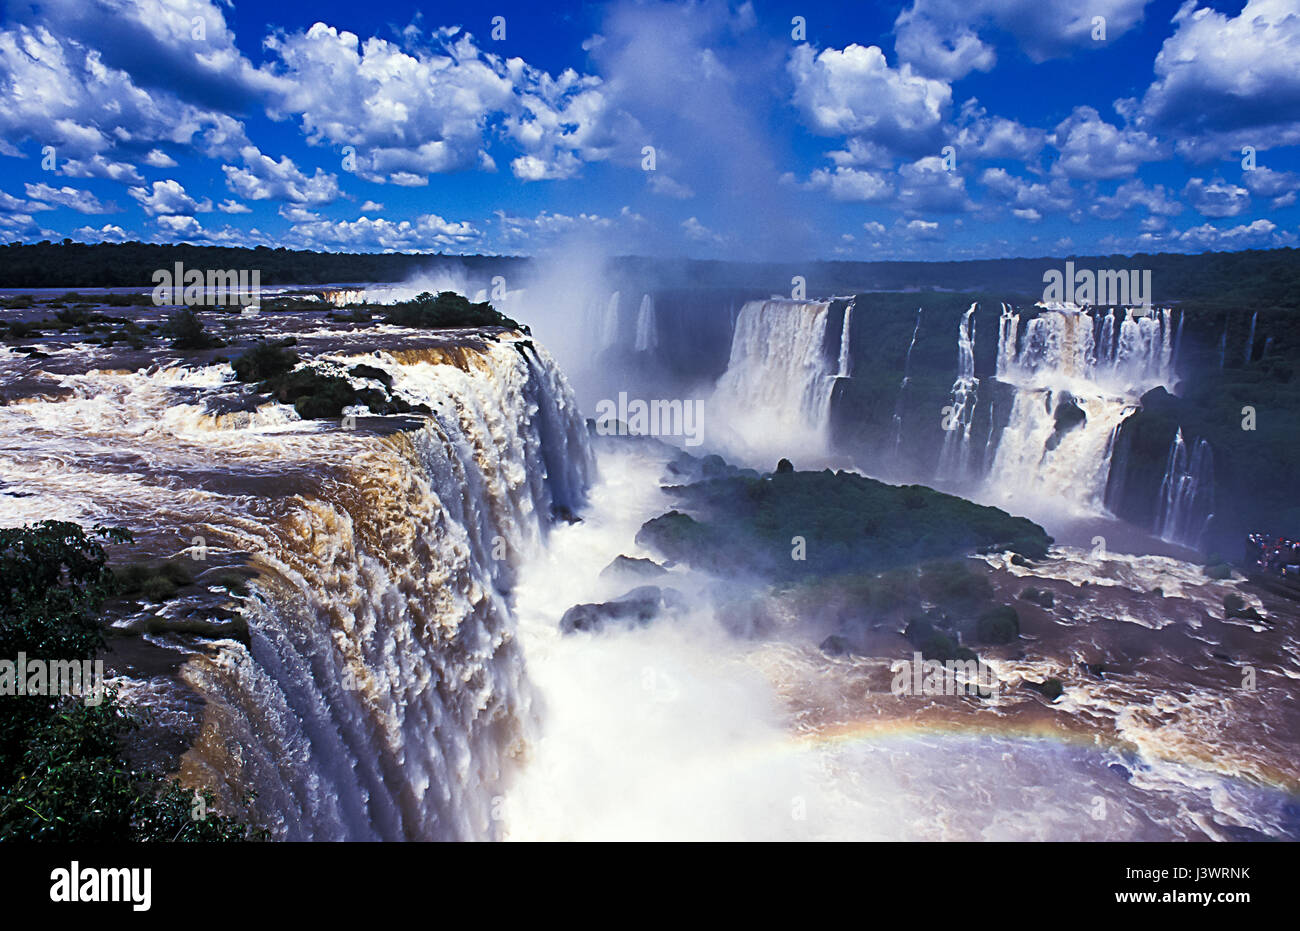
(447,309)
(63,775)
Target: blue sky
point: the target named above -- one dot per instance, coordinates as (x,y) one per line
(778,130)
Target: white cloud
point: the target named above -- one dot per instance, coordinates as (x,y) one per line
(1227,81)
(73,198)
(852,184)
(947,38)
(1093,149)
(853,91)
(168,198)
(1131,194)
(1217,198)
(263,178)
(428,233)
(1281,186)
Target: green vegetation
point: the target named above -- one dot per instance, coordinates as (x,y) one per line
(447,309)
(848,524)
(998,625)
(63,774)
(186,331)
(155,582)
(315,394)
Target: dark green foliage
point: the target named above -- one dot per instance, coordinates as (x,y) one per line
(265,361)
(369,371)
(314,394)
(953,586)
(62,773)
(447,309)
(849,523)
(784,466)
(186,331)
(155,582)
(998,625)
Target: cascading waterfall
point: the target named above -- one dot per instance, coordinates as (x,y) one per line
(647,330)
(902,388)
(609,333)
(954,458)
(1073,390)
(1186,493)
(1250,337)
(781,373)
(845,368)
(381,693)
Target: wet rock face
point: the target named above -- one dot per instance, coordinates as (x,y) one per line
(1068,416)
(632,567)
(637,608)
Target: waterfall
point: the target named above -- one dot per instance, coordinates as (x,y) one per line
(1073,390)
(647,333)
(1250,337)
(1186,505)
(954,457)
(845,368)
(610,325)
(379,692)
(781,372)
(1223,344)
(902,386)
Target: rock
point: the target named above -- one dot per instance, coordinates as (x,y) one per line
(1039,596)
(1051,689)
(633,566)
(636,608)
(835,645)
(784,466)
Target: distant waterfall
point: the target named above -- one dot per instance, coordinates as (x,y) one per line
(647,331)
(782,372)
(1250,337)
(846,356)
(609,335)
(1186,505)
(954,457)
(902,388)
(1076,379)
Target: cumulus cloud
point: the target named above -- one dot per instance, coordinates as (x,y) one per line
(427,233)
(1090,148)
(76,199)
(168,197)
(263,178)
(925,186)
(1281,186)
(1022,194)
(853,91)
(415,112)
(1216,198)
(1227,81)
(853,184)
(1156,200)
(949,39)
